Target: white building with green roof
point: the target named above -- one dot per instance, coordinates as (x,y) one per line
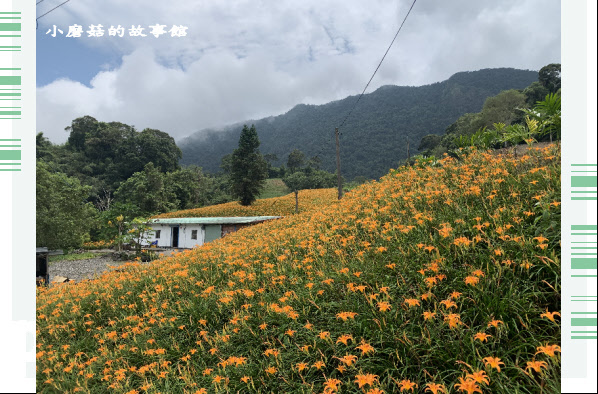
(187,233)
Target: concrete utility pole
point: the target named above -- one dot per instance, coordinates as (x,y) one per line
(338,165)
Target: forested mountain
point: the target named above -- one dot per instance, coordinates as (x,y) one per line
(374,137)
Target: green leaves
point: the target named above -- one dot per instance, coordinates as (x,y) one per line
(249,170)
(548,115)
(550,77)
(147,190)
(63,217)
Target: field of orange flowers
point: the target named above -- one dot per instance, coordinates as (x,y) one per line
(440,278)
(277,206)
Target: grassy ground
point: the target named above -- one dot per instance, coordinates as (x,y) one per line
(438,278)
(75,256)
(274,188)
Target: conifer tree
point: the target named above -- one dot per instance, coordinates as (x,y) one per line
(249,169)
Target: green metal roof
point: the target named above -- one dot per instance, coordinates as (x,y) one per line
(215,220)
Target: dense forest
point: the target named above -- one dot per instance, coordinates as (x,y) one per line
(375,136)
(109,170)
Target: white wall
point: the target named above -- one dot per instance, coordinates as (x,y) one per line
(164,240)
(185,240)
(185,231)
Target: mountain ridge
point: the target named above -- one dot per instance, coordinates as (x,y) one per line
(374,137)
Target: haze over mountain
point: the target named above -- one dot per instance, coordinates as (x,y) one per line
(374,137)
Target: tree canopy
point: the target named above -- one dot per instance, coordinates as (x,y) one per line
(63,216)
(249,169)
(550,77)
(308,179)
(122,172)
(104,154)
(296,160)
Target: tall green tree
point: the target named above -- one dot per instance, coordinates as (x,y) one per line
(296,160)
(504,108)
(314,163)
(42,144)
(63,217)
(104,154)
(147,190)
(309,179)
(429,142)
(535,92)
(249,170)
(189,185)
(550,77)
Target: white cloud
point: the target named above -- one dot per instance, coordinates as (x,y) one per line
(249,59)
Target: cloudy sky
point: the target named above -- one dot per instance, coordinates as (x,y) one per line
(243,60)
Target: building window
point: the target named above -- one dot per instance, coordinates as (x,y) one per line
(158,234)
(193,234)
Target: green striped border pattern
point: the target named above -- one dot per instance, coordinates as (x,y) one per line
(583,250)
(583,182)
(10,112)
(10,24)
(583,324)
(10,90)
(10,155)
(10,48)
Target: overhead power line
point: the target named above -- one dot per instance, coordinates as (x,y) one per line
(379,64)
(59,5)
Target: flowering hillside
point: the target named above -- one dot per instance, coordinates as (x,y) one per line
(439,278)
(276,206)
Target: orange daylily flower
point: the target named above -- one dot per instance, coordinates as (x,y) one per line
(271,370)
(347,359)
(536,365)
(550,315)
(481,337)
(495,323)
(365,347)
(435,388)
(324,335)
(448,304)
(470,386)
(429,315)
(411,302)
(548,349)
(479,377)
(453,319)
(368,378)
(331,385)
(319,364)
(493,362)
(455,295)
(407,385)
(346,315)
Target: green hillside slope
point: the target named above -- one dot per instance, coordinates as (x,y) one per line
(444,278)
(374,138)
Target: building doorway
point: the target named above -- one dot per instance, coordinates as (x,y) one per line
(175,237)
